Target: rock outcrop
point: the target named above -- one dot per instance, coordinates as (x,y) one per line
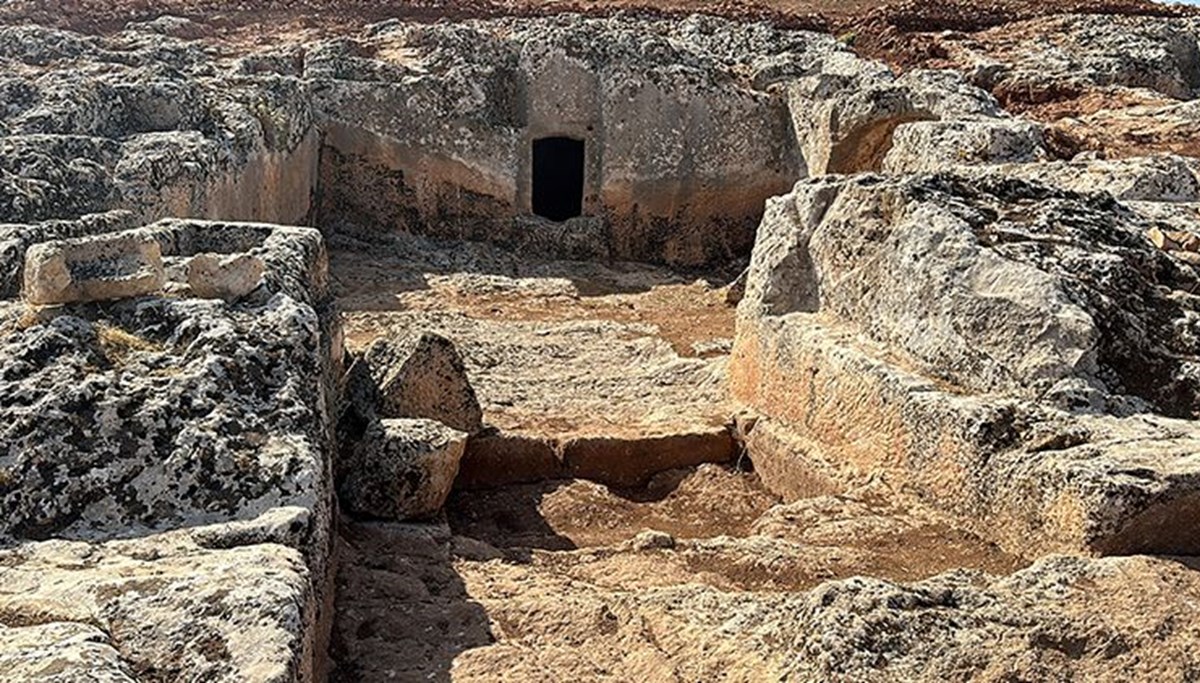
(934,145)
(968,341)
(1038,623)
(1083,51)
(148,122)
(1166,180)
(165,468)
(681,135)
(156,609)
(1007,330)
(686,127)
(845,114)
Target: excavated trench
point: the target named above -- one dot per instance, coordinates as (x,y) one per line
(607,482)
(608,523)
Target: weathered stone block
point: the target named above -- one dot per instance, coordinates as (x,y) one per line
(1160,178)
(984,341)
(108,612)
(224,276)
(1034,480)
(917,276)
(500,459)
(401,469)
(61,651)
(423,376)
(93,269)
(632,460)
(845,115)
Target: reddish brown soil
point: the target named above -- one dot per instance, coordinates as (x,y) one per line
(891,30)
(564,515)
(1078,104)
(1114,122)
(684,312)
(542,581)
(898,31)
(854,537)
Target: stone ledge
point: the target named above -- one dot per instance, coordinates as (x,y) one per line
(156,608)
(100,268)
(498,458)
(1033,479)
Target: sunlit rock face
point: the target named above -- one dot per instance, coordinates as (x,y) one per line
(681,134)
(965,372)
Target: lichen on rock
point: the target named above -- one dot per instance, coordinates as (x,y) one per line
(953,412)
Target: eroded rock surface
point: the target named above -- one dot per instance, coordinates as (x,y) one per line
(1081,51)
(164,472)
(693,139)
(993,284)
(919,287)
(568,359)
(966,342)
(686,127)
(156,609)
(845,114)
(148,122)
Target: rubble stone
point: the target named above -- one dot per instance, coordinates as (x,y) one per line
(228,277)
(93,269)
(400,469)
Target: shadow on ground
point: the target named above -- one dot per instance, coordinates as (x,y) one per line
(402,612)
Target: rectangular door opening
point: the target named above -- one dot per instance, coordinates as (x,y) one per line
(558,178)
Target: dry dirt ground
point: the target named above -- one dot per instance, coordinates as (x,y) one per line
(570,580)
(566,579)
(686,310)
(554,349)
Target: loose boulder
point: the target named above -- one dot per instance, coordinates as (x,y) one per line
(400,469)
(422,376)
(97,268)
(224,276)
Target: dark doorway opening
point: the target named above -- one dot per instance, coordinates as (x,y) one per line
(558,178)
